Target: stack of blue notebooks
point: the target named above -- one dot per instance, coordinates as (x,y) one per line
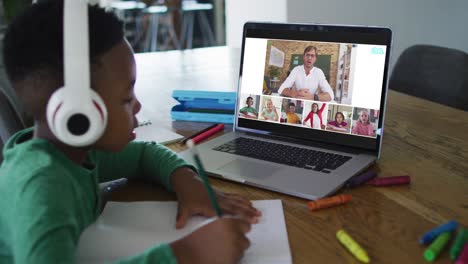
(204,106)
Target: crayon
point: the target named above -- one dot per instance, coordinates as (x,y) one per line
(361,179)
(432,234)
(352,246)
(463,258)
(389,181)
(329,202)
(431,253)
(457,246)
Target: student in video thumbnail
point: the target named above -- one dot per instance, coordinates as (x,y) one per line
(292,117)
(307,80)
(363,126)
(269,112)
(339,124)
(315,116)
(249,111)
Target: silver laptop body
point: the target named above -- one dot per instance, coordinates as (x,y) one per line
(355,64)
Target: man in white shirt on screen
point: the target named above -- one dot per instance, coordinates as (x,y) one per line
(306,81)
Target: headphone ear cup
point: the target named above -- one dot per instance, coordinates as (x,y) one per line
(100,109)
(76,121)
(53,106)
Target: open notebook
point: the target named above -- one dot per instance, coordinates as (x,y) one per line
(147,131)
(126,229)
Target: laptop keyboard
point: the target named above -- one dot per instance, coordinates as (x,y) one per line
(284,154)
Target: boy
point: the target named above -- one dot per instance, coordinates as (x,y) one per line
(49,191)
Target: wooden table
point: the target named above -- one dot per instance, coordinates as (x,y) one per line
(422,139)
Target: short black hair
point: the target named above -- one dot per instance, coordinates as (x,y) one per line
(34,39)
(292,104)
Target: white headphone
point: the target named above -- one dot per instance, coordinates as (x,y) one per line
(76,114)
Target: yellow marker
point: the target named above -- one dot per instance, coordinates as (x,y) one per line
(352,246)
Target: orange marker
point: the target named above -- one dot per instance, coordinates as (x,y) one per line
(329,202)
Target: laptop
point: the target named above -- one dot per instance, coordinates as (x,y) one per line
(310,108)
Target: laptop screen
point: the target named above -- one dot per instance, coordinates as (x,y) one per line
(319,83)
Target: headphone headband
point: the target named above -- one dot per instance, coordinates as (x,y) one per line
(76,47)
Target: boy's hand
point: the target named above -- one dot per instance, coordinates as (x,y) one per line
(194,200)
(221,241)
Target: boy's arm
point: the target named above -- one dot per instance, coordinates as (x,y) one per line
(49,216)
(46,224)
(139,160)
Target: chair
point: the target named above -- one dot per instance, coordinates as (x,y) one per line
(190,9)
(160,17)
(10,121)
(130,12)
(434,73)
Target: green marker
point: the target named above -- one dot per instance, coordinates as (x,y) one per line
(436,247)
(204,178)
(457,246)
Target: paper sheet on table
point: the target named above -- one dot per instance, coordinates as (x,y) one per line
(126,229)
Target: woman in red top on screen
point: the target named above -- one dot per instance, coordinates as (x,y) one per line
(363,126)
(315,116)
(339,124)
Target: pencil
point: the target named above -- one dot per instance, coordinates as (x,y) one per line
(198,133)
(202,174)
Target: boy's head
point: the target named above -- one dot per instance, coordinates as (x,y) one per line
(33,55)
(249,101)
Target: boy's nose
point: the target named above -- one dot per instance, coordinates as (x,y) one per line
(137,107)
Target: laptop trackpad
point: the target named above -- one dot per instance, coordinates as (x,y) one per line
(248,169)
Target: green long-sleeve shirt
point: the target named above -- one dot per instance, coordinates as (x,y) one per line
(46,200)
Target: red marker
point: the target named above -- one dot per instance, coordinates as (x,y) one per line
(208,133)
(198,133)
(389,181)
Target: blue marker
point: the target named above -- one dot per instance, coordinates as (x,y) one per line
(431,235)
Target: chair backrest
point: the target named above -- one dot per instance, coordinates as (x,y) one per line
(10,121)
(434,73)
